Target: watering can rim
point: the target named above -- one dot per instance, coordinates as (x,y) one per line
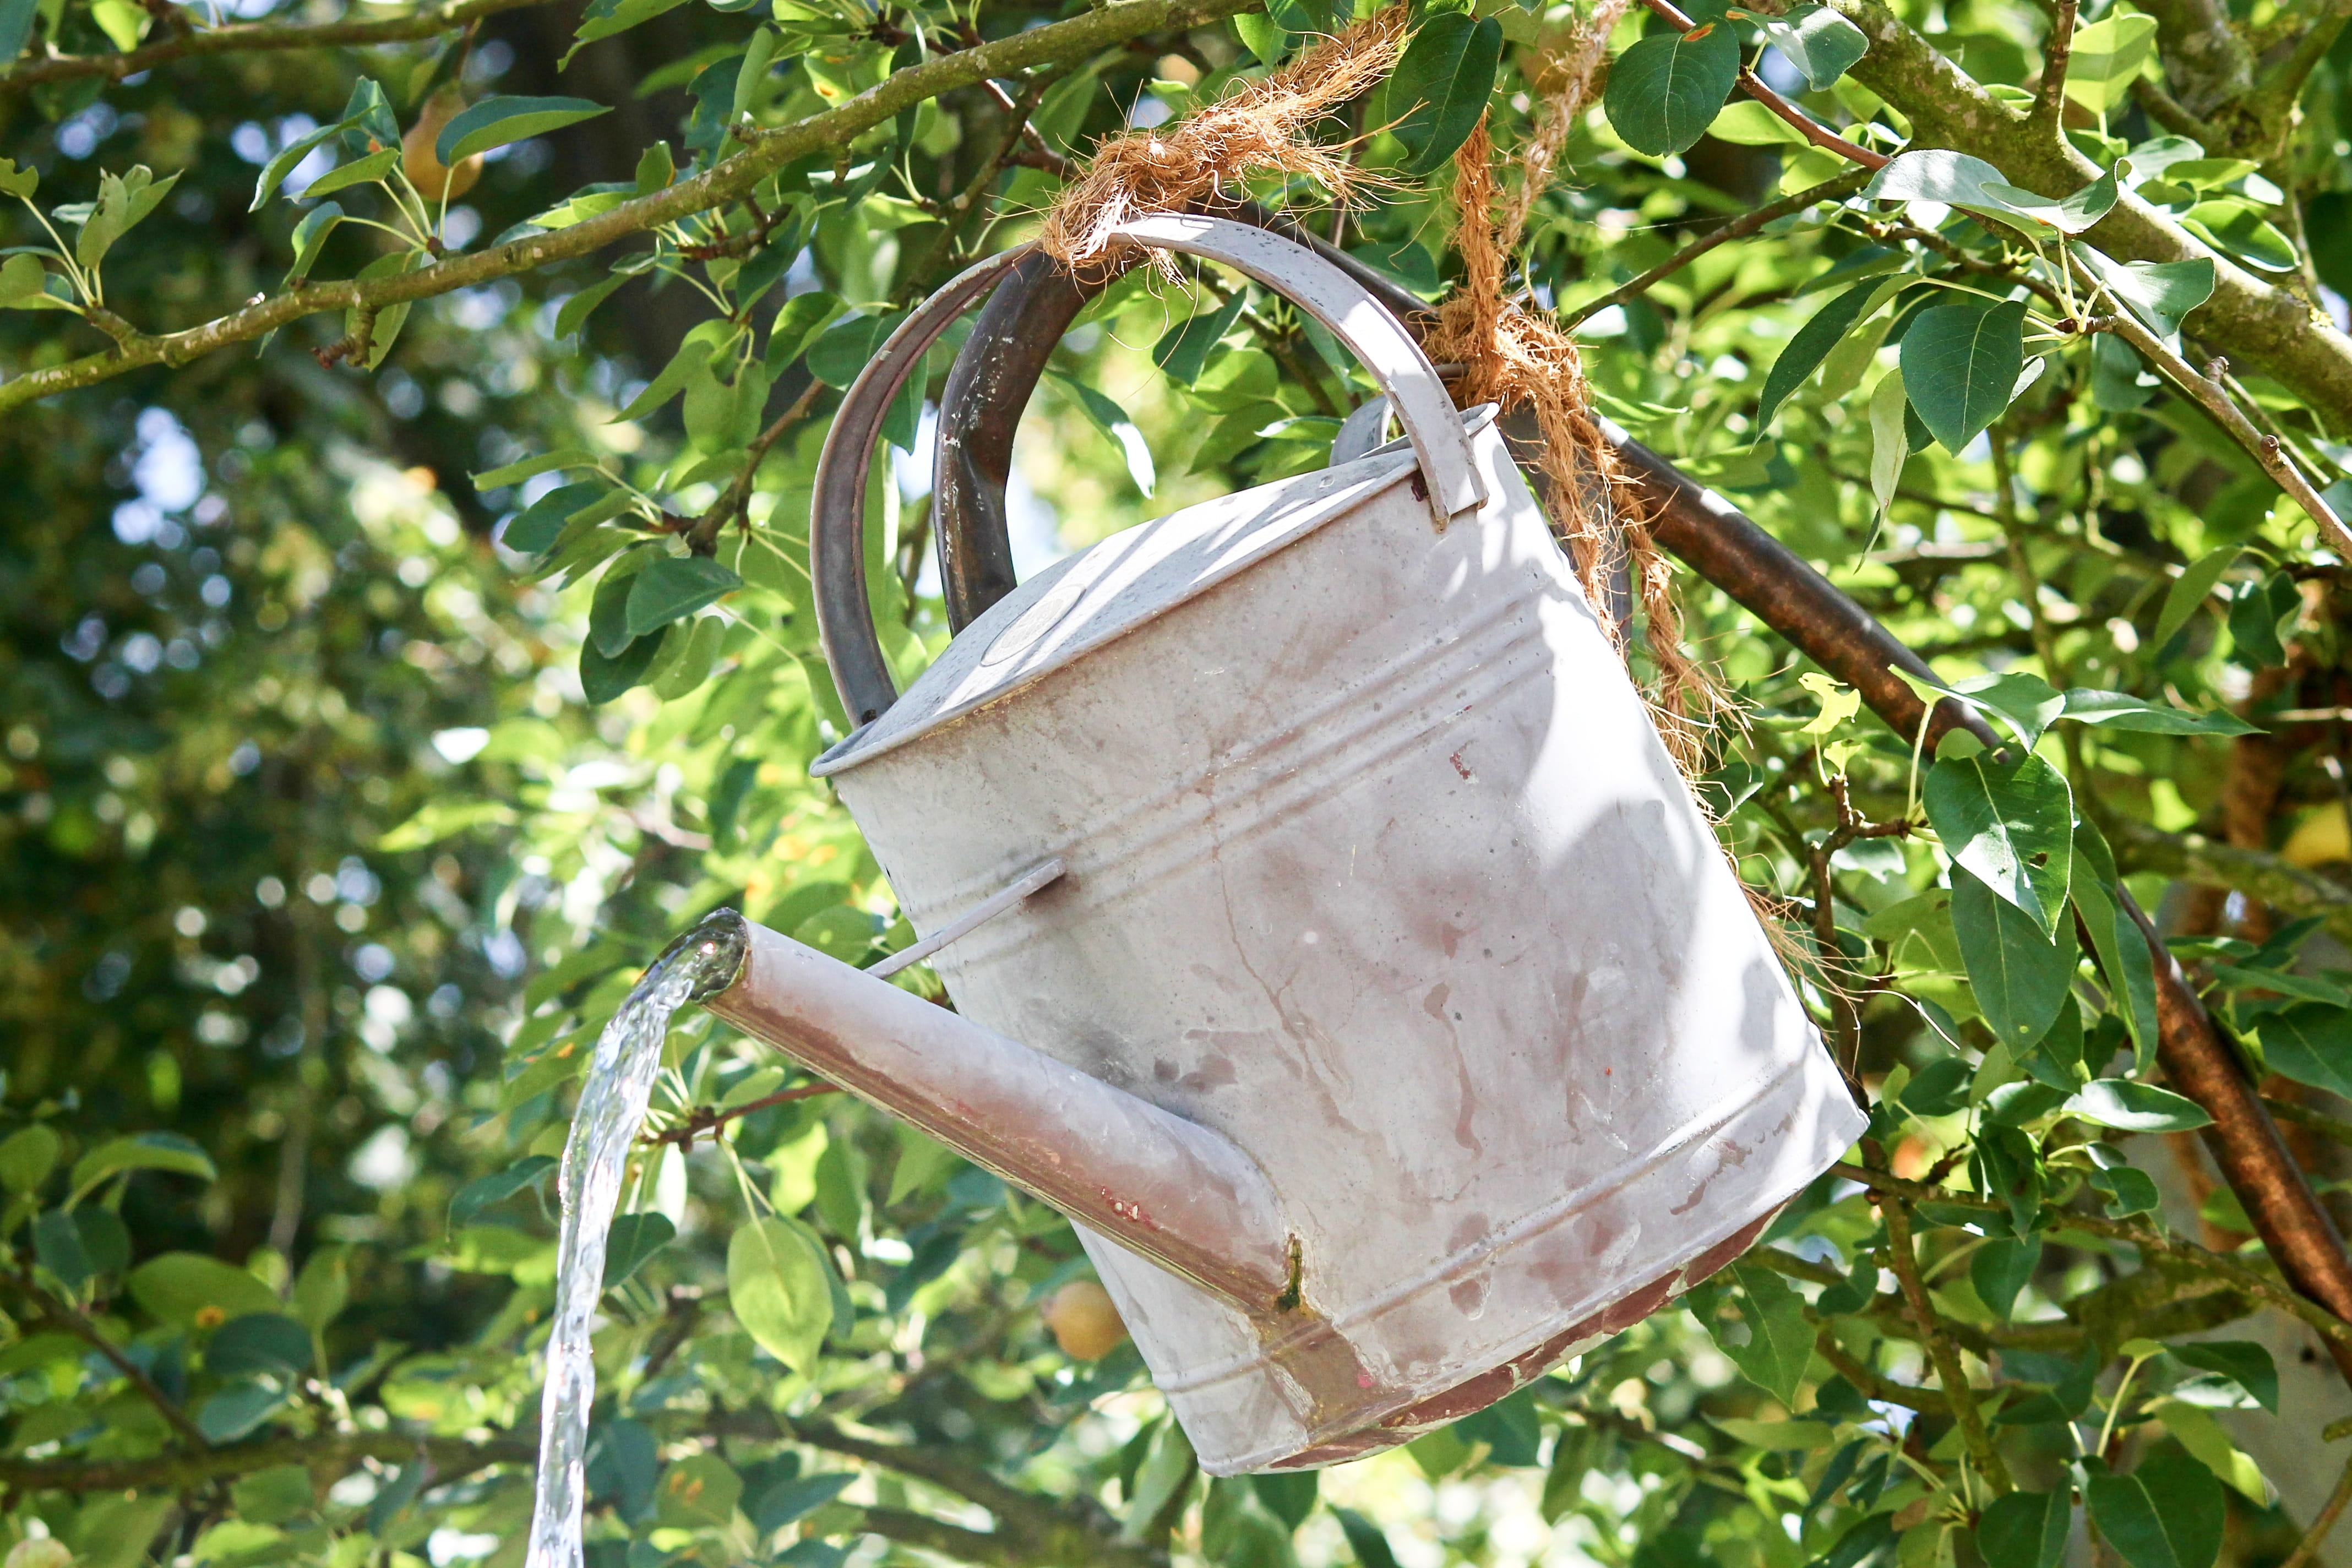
(1452,484)
(1288,518)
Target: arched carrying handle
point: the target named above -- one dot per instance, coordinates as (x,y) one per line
(1377,338)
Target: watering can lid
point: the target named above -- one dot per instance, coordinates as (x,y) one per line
(1103,593)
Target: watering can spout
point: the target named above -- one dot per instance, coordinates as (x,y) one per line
(1167,1188)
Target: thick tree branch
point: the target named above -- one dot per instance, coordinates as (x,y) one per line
(731,180)
(2207,65)
(2257,873)
(2266,326)
(244,37)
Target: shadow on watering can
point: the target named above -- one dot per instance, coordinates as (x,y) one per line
(1333,939)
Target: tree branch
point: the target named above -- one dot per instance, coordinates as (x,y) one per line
(1804,124)
(1838,189)
(731,180)
(2257,873)
(2268,327)
(1949,1372)
(2211,396)
(239,36)
(2050,101)
(66,1316)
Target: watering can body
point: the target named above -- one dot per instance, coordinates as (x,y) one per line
(1454,1043)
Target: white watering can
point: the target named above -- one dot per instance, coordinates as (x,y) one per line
(1388,1020)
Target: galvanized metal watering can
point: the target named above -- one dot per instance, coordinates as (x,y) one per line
(1331,936)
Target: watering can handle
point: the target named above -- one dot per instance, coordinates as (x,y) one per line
(1377,340)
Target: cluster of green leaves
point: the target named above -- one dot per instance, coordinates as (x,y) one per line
(349,797)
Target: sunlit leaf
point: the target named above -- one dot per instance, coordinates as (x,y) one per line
(1664,90)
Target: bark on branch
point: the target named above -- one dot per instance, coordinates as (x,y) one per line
(246,36)
(738,177)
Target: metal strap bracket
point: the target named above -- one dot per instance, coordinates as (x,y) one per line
(1042,875)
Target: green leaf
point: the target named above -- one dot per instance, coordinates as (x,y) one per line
(1811,344)
(196,1292)
(1959,365)
(2009,826)
(57,1243)
(28,1156)
(2181,1531)
(1816,39)
(2018,976)
(498,122)
(2070,215)
(324,1288)
(2121,710)
(358,172)
(2310,1043)
(698,1492)
(1290,1495)
(843,350)
(786,1501)
(2133,1107)
(2123,954)
(691,355)
(1441,85)
(141,1152)
(14,181)
(1890,438)
(2028,704)
(2242,1361)
(2160,293)
(2002,1268)
(604,676)
(1114,422)
(576,310)
(535,528)
(1935,174)
(1183,350)
(1779,1342)
(632,1242)
(673,588)
(1365,1539)
(2026,1529)
(274,172)
(275,1495)
(16,18)
(2189,590)
(2129,1191)
(239,1410)
(310,238)
(2106,56)
(778,1287)
(488,1191)
(2260,615)
(268,1342)
(123,201)
(802,317)
(531,467)
(1664,90)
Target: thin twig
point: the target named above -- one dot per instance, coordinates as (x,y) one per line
(1804,124)
(1949,1372)
(1844,185)
(67,1317)
(708,1119)
(2050,103)
(241,36)
(702,534)
(2316,1536)
(2214,398)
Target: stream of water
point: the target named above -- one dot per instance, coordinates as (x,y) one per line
(595,1160)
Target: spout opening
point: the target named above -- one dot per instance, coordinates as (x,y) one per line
(715,949)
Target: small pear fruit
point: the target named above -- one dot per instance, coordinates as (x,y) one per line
(1085,1322)
(426,171)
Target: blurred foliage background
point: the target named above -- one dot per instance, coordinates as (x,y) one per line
(344,797)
